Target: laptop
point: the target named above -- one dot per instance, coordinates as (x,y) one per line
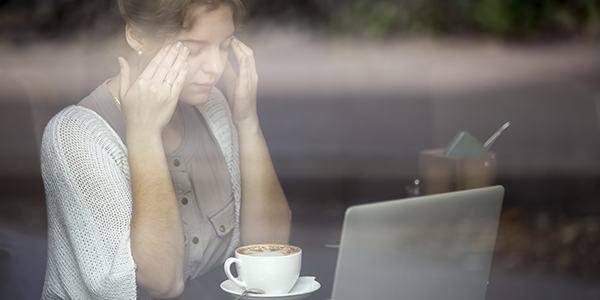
(430,247)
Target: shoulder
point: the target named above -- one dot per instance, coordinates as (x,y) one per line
(77,120)
(80,128)
(75,114)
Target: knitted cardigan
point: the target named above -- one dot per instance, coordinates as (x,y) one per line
(88,192)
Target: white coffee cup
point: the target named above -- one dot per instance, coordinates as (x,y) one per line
(272,268)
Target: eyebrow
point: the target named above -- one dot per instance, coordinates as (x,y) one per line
(202,41)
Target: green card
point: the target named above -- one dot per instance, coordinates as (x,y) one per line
(464,144)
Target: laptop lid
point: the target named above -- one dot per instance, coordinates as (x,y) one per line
(430,247)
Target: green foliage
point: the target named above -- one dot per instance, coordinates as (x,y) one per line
(367,18)
(492,15)
(527,18)
(524,16)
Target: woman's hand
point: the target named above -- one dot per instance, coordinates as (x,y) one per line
(150,101)
(157,239)
(264,214)
(241,90)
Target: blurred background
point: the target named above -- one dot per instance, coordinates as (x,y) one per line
(350,93)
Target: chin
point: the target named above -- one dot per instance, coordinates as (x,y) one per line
(194,99)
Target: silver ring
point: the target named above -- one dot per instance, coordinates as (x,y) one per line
(167,81)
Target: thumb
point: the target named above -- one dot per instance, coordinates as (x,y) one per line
(125,77)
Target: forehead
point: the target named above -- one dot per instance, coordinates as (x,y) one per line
(210,25)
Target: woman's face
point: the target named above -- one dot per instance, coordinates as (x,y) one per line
(208,41)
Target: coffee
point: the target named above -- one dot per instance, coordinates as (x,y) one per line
(272,268)
(268,250)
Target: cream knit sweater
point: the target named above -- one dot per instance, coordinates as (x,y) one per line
(88,193)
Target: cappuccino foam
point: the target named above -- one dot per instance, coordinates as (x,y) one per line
(268,250)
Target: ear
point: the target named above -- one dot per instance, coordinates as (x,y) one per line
(135,38)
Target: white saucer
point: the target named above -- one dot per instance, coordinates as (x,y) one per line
(302,289)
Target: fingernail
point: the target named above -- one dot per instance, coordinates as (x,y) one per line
(178,46)
(185,51)
(185,65)
(167,48)
(235,42)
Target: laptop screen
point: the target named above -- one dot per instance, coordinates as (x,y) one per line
(430,247)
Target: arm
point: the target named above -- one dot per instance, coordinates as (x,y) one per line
(84,166)
(157,239)
(264,214)
(157,243)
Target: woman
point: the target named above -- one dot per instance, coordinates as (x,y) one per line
(154,178)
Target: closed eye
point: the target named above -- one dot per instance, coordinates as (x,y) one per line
(195,53)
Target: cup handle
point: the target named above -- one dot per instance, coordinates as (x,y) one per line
(227,266)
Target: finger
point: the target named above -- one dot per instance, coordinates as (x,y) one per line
(179,81)
(177,66)
(150,69)
(243,82)
(125,77)
(237,50)
(249,53)
(241,52)
(167,63)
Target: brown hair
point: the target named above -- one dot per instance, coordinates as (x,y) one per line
(162,18)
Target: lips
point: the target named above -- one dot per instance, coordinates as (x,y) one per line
(204,86)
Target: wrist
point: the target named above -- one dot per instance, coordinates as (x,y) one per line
(250,126)
(144,138)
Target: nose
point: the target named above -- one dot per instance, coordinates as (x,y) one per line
(213,63)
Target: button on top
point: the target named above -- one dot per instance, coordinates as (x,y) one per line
(195,240)
(184,200)
(222,228)
(176,162)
